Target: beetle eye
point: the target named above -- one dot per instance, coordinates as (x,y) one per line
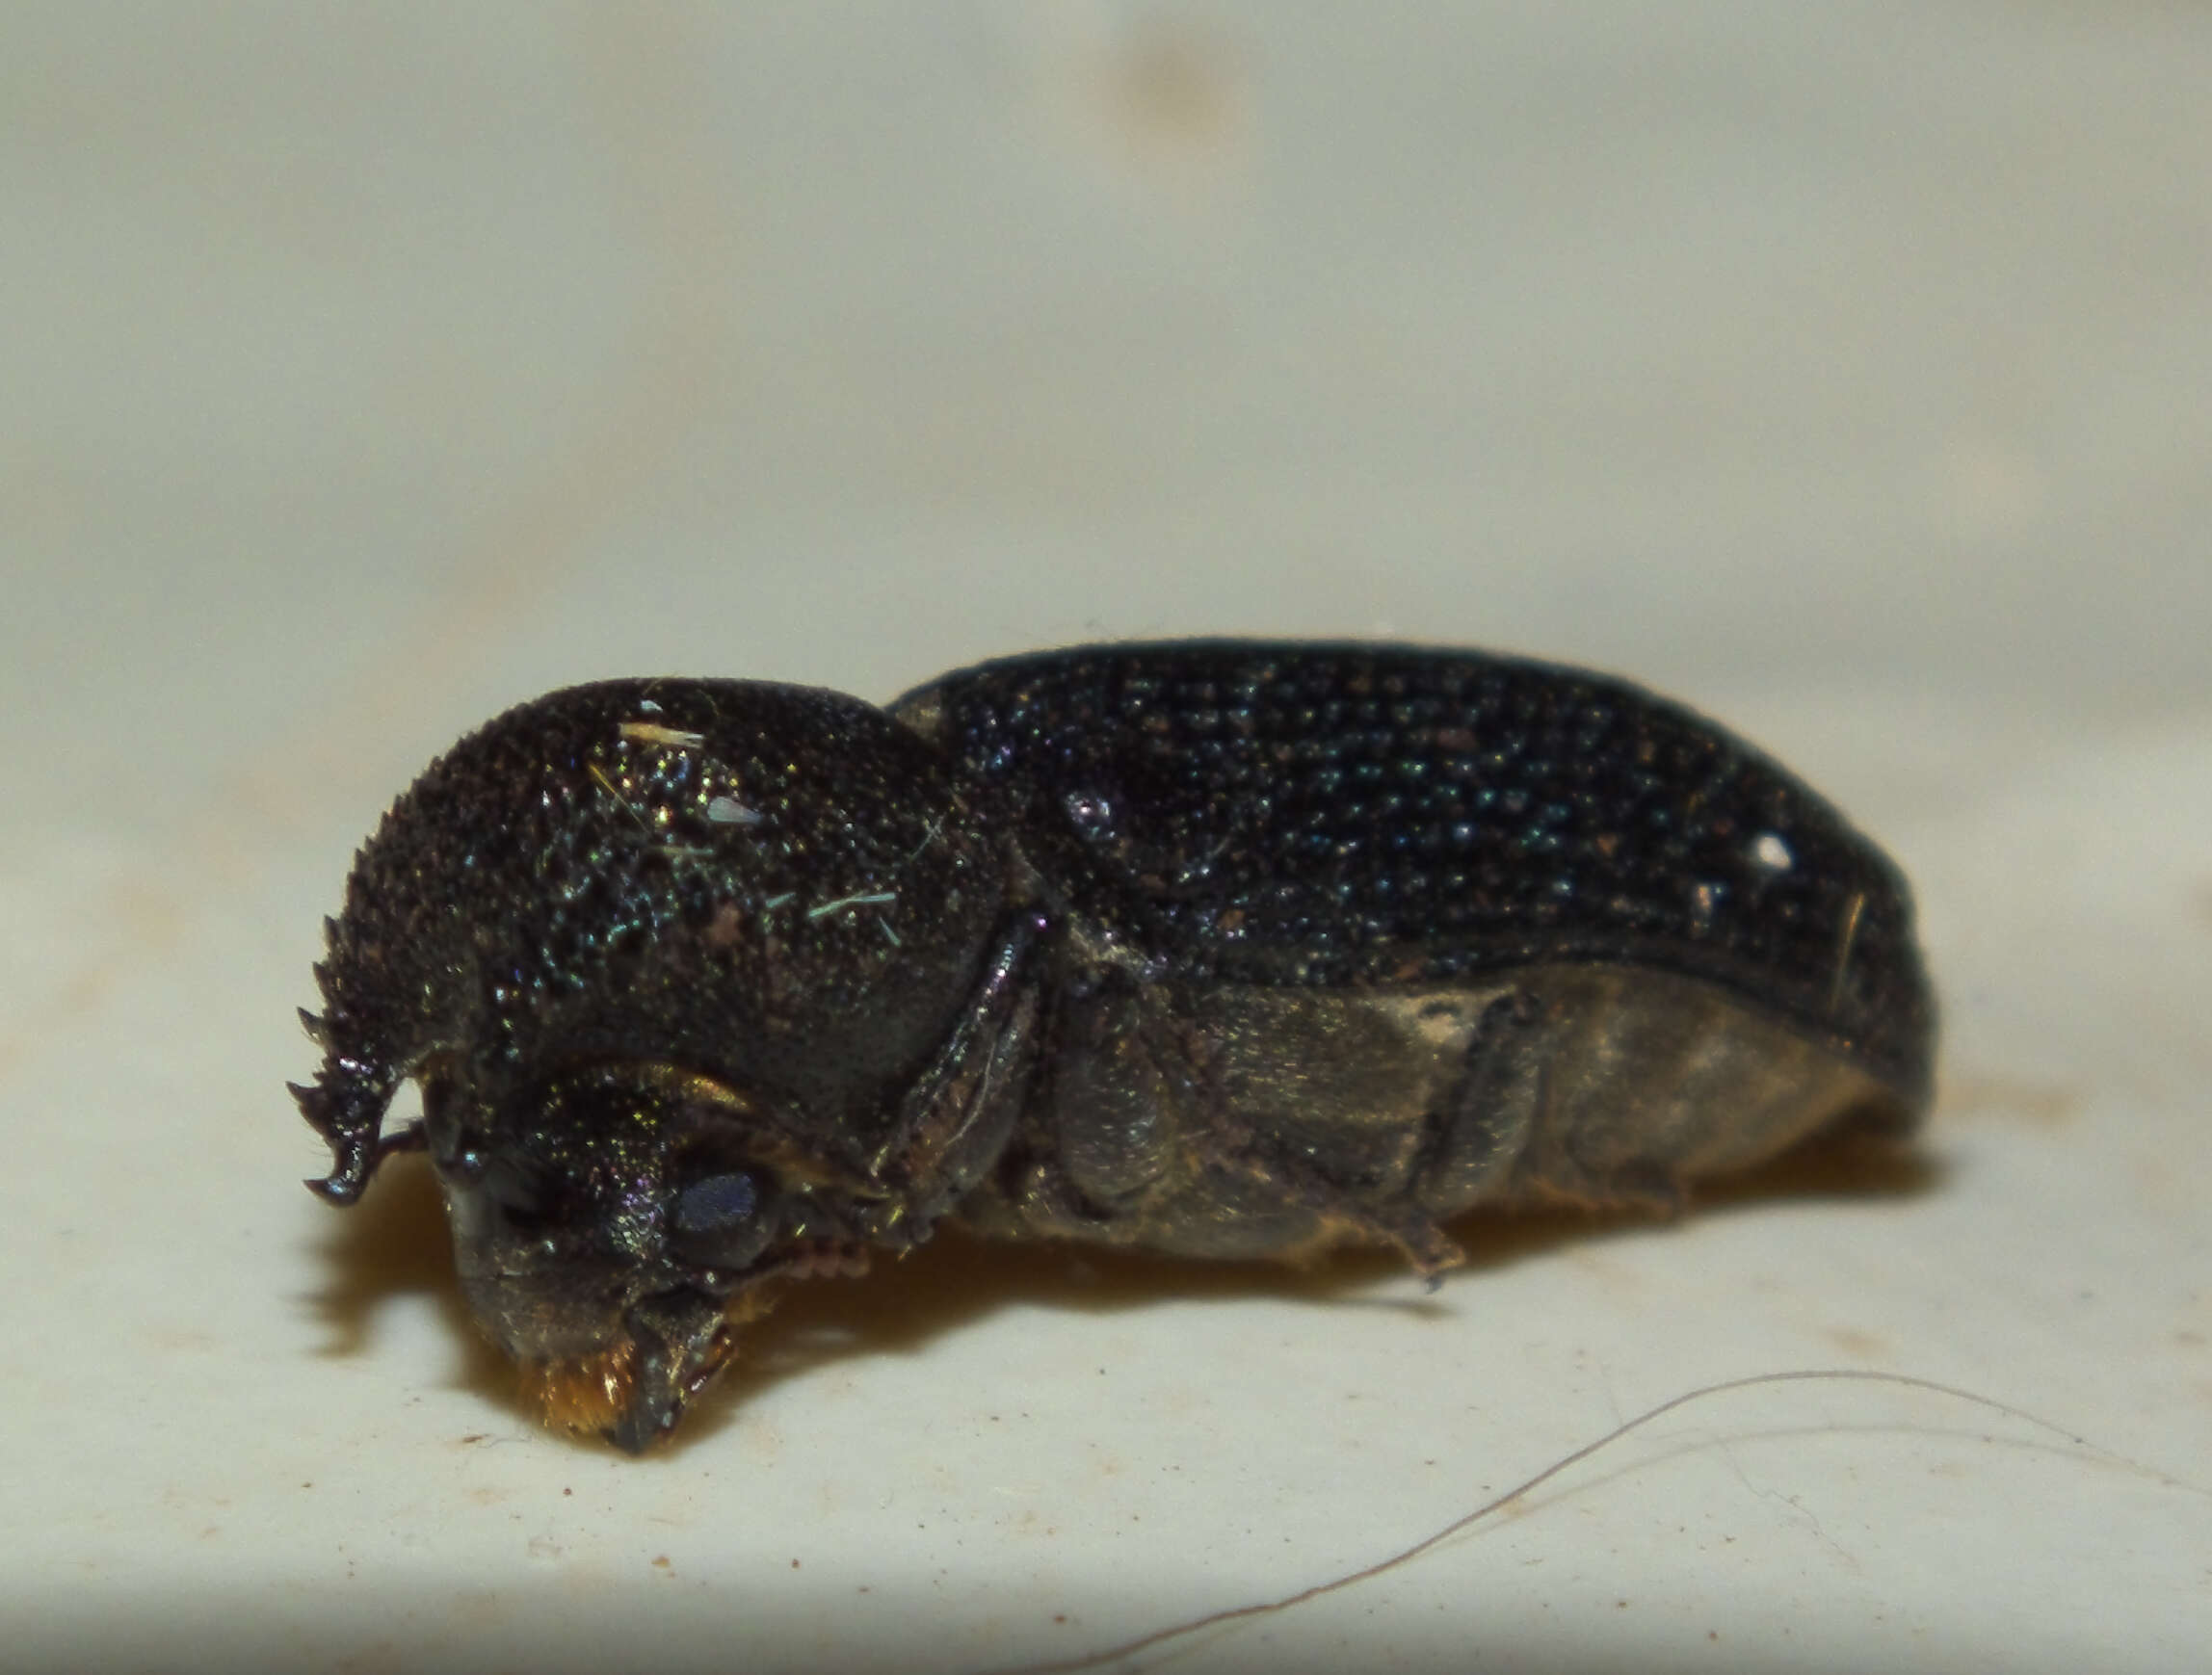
(724,1219)
(718,1203)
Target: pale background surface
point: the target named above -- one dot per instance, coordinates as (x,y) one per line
(1843,370)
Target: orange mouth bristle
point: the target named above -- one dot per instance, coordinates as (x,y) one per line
(584,1394)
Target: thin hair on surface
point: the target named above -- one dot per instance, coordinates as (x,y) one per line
(1157,1639)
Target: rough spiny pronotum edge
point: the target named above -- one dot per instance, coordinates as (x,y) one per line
(1221,949)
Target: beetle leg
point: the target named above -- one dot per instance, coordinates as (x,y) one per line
(954,1119)
(1342,1211)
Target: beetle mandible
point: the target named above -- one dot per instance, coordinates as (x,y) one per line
(1224,948)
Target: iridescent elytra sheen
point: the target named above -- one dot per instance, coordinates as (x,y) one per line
(1218,948)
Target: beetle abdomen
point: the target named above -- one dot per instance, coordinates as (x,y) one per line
(1242,1120)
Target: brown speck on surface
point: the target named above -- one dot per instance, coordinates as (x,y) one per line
(1157,100)
(2026,1100)
(1853,1342)
(795,1564)
(663,1562)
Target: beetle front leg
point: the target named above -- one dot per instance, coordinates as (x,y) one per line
(954,1121)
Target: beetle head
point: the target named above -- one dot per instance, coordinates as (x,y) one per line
(614,1224)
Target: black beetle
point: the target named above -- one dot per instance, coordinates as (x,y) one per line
(1225,949)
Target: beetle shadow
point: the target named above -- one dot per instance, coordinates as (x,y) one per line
(395,1243)
(959,1279)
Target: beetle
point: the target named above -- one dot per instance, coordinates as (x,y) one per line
(1217,948)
